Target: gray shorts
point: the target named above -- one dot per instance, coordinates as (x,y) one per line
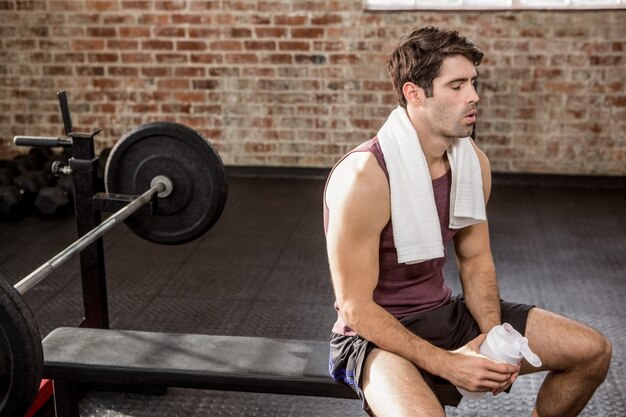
(449,327)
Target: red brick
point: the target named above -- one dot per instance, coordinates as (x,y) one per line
(329,19)
(225,46)
(136,58)
(270,6)
(242,6)
(20,44)
(126,45)
(38,58)
(8,32)
(123,71)
(377,86)
(307,33)
(274,32)
(173,84)
(105,83)
(562,87)
(549,73)
(224,72)
(329,46)
(190,45)
(240,59)
(205,84)
(203,32)
(277,59)
(294,46)
(66,58)
(259,45)
(100,32)
(290,20)
(136,5)
(192,19)
(190,71)
(157,45)
(65,6)
(134,32)
(89,71)
(306,6)
(207,58)
(189,97)
(49,44)
(103,57)
(344,59)
(153,19)
(101,6)
(57,70)
(174,32)
(617,101)
(206,5)
(29,5)
(170,5)
(146,108)
(155,71)
(259,72)
(105,108)
(171,58)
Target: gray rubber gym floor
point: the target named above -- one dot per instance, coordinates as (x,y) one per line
(262,271)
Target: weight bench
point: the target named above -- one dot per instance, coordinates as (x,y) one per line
(233,363)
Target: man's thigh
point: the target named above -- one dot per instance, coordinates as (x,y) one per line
(393,386)
(560,342)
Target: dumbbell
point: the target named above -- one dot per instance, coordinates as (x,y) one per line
(39,156)
(6,176)
(30,182)
(11,200)
(52,202)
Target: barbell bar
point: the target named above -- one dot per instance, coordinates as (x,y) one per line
(35,277)
(169,160)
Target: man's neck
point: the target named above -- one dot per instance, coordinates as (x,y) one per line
(434,147)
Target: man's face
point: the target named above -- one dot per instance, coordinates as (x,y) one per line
(451,110)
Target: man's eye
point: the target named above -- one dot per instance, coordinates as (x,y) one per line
(458,87)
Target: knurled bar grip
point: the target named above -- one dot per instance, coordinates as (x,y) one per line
(41,141)
(47,268)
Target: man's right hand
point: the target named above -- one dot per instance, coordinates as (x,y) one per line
(468,369)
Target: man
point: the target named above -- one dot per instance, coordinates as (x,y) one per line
(400,340)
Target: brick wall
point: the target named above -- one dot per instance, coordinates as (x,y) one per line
(298,83)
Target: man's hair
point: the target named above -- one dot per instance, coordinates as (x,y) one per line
(418,59)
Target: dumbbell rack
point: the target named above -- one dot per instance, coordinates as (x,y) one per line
(84,167)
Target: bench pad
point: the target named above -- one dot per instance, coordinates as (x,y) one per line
(233,363)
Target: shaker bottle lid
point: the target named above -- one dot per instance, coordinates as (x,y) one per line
(511,343)
(528,354)
(503,341)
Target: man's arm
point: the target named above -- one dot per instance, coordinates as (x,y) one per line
(477,269)
(476,266)
(358,199)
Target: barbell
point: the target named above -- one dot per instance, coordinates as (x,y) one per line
(168,164)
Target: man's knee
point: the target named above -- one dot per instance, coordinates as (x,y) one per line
(601,353)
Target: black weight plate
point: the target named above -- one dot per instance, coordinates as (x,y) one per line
(189,161)
(21,353)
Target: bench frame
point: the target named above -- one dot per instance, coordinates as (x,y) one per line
(123,358)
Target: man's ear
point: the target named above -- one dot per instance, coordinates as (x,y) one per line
(413,93)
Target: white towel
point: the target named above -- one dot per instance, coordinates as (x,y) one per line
(416,228)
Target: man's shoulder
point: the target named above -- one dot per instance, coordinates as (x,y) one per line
(358,175)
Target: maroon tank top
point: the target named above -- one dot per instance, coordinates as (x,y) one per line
(404,289)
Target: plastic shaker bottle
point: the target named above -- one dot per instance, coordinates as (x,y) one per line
(504,344)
